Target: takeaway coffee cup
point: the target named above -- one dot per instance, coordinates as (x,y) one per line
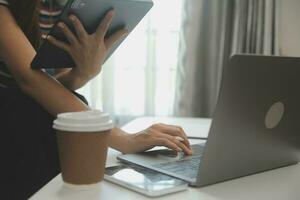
(82,139)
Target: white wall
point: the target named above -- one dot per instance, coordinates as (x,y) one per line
(289,27)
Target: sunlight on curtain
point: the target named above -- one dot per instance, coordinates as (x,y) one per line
(139,79)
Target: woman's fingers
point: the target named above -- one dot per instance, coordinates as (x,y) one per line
(80,31)
(59,44)
(104,25)
(174,131)
(166,143)
(68,33)
(178,143)
(109,42)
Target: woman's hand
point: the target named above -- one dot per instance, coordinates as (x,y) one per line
(172,137)
(88,50)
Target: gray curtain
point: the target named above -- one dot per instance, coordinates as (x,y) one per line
(212,30)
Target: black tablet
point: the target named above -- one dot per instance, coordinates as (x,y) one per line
(128,13)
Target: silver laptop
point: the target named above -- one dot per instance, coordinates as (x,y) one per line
(255,126)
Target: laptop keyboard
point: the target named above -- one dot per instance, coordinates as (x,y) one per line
(187,167)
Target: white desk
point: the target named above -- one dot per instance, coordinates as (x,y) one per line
(280,184)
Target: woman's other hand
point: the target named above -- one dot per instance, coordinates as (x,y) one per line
(172,137)
(88,50)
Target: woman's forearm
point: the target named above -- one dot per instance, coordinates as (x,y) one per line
(70,80)
(52,95)
(119,140)
(59,100)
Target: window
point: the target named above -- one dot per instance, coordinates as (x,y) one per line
(139,79)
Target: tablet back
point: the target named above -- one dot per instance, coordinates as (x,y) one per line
(128,13)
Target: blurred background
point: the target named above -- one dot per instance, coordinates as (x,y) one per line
(171,65)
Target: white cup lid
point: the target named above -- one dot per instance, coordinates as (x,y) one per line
(86,121)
